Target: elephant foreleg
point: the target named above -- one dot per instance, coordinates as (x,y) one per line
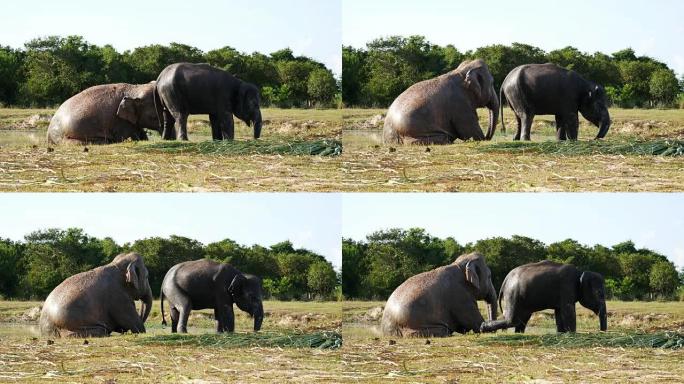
(229,325)
(215,127)
(572,126)
(228,127)
(128,320)
(567,322)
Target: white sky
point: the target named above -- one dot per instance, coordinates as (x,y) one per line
(651,220)
(309,27)
(311,221)
(653,28)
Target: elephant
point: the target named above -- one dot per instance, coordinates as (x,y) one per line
(100,301)
(443,109)
(202,284)
(441,301)
(104,114)
(547,89)
(549,285)
(185,88)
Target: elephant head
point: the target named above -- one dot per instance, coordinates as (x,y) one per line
(593,106)
(593,296)
(139,109)
(480,84)
(247,108)
(135,277)
(246,291)
(479,276)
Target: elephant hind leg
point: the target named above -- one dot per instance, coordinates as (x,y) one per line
(526,120)
(181,125)
(174,319)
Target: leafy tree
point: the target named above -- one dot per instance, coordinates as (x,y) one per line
(11,74)
(321,86)
(663,279)
(321,279)
(663,86)
(353,74)
(11,267)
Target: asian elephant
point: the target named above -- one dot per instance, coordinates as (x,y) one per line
(547,89)
(205,283)
(98,302)
(549,285)
(104,114)
(441,301)
(186,89)
(443,109)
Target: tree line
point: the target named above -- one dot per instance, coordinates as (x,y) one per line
(373,268)
(49,70)
(32,268)
(376,75)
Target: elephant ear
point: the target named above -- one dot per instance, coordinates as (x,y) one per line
(132,276)
(236,283)
(471,275)
(473,81)
(127,110)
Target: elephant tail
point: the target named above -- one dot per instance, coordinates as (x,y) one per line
(161,303)
(501,104)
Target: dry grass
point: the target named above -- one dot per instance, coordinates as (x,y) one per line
(370,357)
(27,357)
(27,165)
(368,165)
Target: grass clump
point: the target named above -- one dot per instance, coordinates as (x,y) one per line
(665,340)
(321,340)
(248,147)
(595,147)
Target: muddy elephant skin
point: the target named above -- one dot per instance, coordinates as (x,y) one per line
(105,114)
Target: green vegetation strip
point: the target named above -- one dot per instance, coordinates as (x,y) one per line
(322,340)
(666,340)
(594,147)
(248,147)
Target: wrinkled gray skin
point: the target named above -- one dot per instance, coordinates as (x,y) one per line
(187,89)
(441,301)
(549,285)
(547,89)
(443,109)
(104,114)
(205,283)
(98,302)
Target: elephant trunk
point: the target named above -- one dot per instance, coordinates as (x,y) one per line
(257,124)
(491,302)
(258,317)
(493,113)
(603,317)
(146,306)
(604,125)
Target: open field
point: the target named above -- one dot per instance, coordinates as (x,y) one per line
(268,165)
(157,356)
(495,358)
(369,165)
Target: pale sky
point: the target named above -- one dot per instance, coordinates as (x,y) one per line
(309,27)
(652,28)
(309,220)
(651,220)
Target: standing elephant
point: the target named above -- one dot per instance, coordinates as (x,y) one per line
(202,284)
(549,285)
(441,301)
(98,302)
(547,89)
(104,114)
(186,89)
(443,109)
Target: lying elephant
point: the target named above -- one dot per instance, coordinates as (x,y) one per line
(549,285)
(441,301)
(98,302)
(443,109)
(104,114)
(205,283)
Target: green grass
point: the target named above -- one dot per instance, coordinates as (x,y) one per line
(255,147)
(273,163)
(322,340)
(622,162)
(665,340)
